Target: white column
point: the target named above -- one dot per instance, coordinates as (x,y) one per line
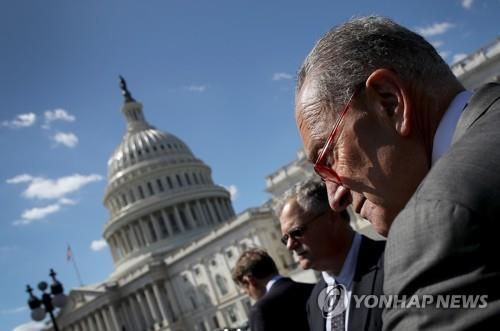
(178,218)
(133,237)
(211,210)
(123,315)
(104,317)
(140,235)
(123,241)
(230,284)
(90,323)
(189,216)
(218,202)
(173,300)
(156,226)
(112,248)
(201,214)
(83,326)
(153,308)
(114,318)
(144,310)
(208,274)
(225,202)
(215,203)
(97,317)
(167,222)
(145,230)
(161,304)
(135,313)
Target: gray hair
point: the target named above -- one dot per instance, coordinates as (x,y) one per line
(311,196)
(346,55)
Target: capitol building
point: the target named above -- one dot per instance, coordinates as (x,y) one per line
(174,236)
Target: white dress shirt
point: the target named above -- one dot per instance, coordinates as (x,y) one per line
(272,281)
(345,277)
(448,124)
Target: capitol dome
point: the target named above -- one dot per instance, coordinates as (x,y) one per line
(159,195)
(145,144)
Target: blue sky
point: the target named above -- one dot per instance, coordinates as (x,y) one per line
(218,74)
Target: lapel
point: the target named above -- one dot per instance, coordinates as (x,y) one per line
(316,320)
(365,277)
(478,105)
(276,288)
(319,320)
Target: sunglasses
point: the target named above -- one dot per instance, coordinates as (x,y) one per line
(298,232)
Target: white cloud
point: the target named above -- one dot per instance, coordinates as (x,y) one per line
(282,76)
(98,245)
(21,121)
(67,139)
(20,179)
(66,201)
(467,4)
(437,43)
(435,29)
(44,188)
(37,213)
(233,191)
(14,310)
(197,88)
(458,57)
(30,326)
(57,115)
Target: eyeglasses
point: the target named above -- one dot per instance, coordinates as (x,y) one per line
(299,231)
(323,164)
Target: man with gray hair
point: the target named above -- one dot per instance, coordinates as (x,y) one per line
(351,264)
(391,130)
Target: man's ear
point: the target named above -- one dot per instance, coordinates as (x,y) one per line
(386,92)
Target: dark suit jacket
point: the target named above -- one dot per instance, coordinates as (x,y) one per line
(445,241)
(368,279)
(282,308)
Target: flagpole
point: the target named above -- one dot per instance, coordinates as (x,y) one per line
(71,256)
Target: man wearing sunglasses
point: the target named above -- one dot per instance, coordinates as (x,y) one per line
(324,241)
(391,130)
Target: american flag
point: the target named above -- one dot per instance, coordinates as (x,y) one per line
(69,254)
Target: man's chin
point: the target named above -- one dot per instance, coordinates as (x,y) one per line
(304,263)
(380,218)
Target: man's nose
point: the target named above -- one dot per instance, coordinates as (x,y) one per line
(291,244)
(339,197)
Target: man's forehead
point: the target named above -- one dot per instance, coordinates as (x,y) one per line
(292,212)
(311,119)
(294,215)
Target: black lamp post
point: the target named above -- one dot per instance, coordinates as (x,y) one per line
(49,301)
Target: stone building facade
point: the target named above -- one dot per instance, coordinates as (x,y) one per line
(174,238)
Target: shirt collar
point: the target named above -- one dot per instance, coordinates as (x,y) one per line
(346,275)
(446,128)
(272,281)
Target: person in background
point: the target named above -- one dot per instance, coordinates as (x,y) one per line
(280,302)
(350,263)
